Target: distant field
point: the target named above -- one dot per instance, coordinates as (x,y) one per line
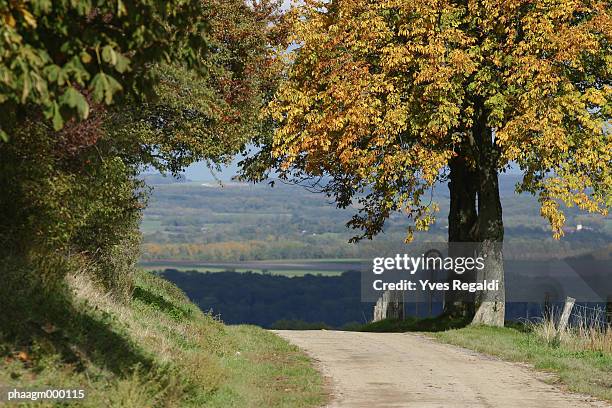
(149,225)
(280,272)
(204,222)
(293,267)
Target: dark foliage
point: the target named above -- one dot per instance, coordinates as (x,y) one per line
(265,299)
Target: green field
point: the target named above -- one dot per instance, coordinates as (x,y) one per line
(197,223)
(281,272)
(287,267)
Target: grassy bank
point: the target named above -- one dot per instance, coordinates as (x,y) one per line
(584,371)
(157,350)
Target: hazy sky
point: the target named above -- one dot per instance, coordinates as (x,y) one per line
(200,172)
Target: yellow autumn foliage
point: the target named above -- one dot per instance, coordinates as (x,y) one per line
(381,95)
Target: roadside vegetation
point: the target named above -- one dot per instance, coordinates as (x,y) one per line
(157,349)
(411,324)
(583,336)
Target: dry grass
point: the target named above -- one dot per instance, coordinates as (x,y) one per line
(592,338)
(588,333)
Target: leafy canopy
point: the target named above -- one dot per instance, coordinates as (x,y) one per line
(380,95)
(126,85)
(52,54)
(214,115)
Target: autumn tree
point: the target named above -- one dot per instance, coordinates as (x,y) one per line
(384,99)
(211,115)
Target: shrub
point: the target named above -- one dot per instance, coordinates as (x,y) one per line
(65,209)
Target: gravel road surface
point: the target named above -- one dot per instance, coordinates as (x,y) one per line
(409,370)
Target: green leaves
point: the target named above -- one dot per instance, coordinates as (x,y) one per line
(104,87)
(52,111)
(115,59)
(76,190)
(51,56)
(74,99)
(54,73)
(203,114)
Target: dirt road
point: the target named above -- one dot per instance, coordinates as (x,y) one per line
(407,370)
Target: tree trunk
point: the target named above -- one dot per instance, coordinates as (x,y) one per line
(476,216)
(462,217)
(490,305)
(463,186)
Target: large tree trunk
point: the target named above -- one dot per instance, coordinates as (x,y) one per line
(462,217)
(490,305)
(476,216)
(463,186)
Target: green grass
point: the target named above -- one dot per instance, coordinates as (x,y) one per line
(268,372)
(156,350)
(295,324)
(587,372)
(433,324)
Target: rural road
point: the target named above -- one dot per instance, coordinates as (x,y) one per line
(408,370)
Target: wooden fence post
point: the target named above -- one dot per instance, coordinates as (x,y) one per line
(567,311)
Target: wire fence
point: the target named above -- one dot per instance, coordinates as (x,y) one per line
(582,315)
(590,316)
